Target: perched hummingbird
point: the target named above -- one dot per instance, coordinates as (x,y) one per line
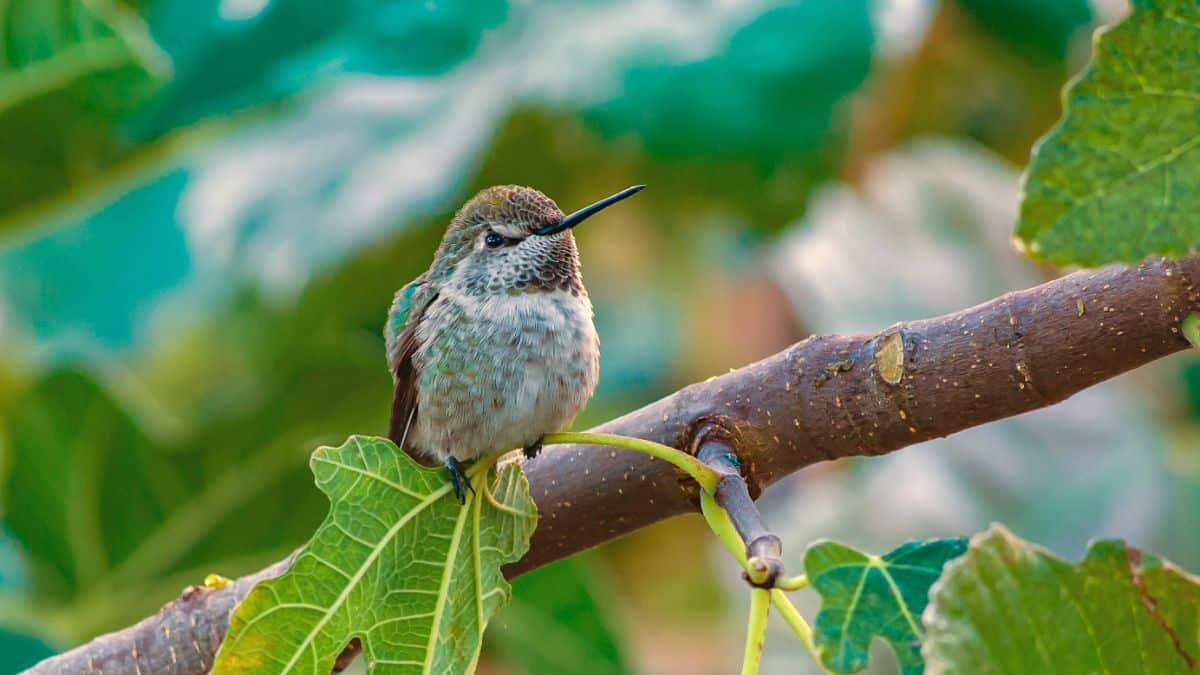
(494,346)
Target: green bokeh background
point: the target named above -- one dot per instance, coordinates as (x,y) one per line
(205,206)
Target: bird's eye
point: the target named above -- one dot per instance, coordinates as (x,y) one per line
(493,240)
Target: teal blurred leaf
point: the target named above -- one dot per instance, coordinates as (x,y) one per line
(1010,607)
(770,92)
(117,521)
(1033,27)
(18,652)
(94,282)
(227,61)
(863,596)
(1112,180)
(557,623)
(398,563)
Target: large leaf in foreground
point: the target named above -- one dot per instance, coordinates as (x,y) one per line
(1009,606)
(398,563)
(864,595)
(1113,180)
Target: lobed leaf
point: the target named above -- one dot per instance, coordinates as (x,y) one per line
(1112,181)
(398,563)
(863,596)
(1009,606)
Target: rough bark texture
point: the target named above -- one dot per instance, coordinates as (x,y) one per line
(823,398)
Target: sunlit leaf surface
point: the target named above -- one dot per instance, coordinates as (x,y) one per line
(1009,606)
(1113,180)
(398,563)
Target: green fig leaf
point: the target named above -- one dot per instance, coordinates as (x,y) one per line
(1009,606)
(863,596)
(398,564)
(1112,181)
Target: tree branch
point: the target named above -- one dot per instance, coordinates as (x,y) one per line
(823,398)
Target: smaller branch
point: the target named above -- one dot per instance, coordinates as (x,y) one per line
(764,550)
(731,506)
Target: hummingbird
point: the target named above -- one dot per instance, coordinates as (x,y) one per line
(494,345)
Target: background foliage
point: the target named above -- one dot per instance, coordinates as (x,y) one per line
(206,205)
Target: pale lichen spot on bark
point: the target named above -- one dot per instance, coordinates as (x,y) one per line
(889,358)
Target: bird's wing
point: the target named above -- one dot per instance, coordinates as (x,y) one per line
(401,334)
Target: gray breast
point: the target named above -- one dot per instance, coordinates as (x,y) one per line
(497,372)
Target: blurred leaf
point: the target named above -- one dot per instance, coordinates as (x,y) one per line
(397,563)
(770,93)
(18,652)
(88,97)
(556,624)
(1008,606)
(69,71)
(113,521)
(961,84)
(1033,27)
(93,282)
(229,60)
(1112,181)
(864,595)
(192,456)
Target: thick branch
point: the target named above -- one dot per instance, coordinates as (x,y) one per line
(823,398)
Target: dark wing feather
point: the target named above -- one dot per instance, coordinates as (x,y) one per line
(404,395)
(407,309)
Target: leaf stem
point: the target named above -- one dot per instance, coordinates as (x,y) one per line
(722,526)
(792,583)
(699,471)
(794,619)
(756,630)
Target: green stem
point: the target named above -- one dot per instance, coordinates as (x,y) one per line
(699,471)
(721,525)
(756,630)
(793,618)
(792,583)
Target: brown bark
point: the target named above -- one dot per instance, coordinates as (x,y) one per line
(823,398)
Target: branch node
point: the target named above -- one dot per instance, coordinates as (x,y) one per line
(764,549)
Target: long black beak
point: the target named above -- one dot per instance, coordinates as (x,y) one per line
(583,214)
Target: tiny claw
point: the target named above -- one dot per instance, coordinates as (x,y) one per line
(533,449)
(458,479)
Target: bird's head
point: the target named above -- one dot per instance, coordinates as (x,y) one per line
(512,240)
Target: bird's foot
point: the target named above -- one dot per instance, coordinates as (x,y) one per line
(533,449)
(458,478)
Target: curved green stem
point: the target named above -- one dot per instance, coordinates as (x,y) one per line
(699,471)
(756,630)
(721,525)
(792,583)
(794,619)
